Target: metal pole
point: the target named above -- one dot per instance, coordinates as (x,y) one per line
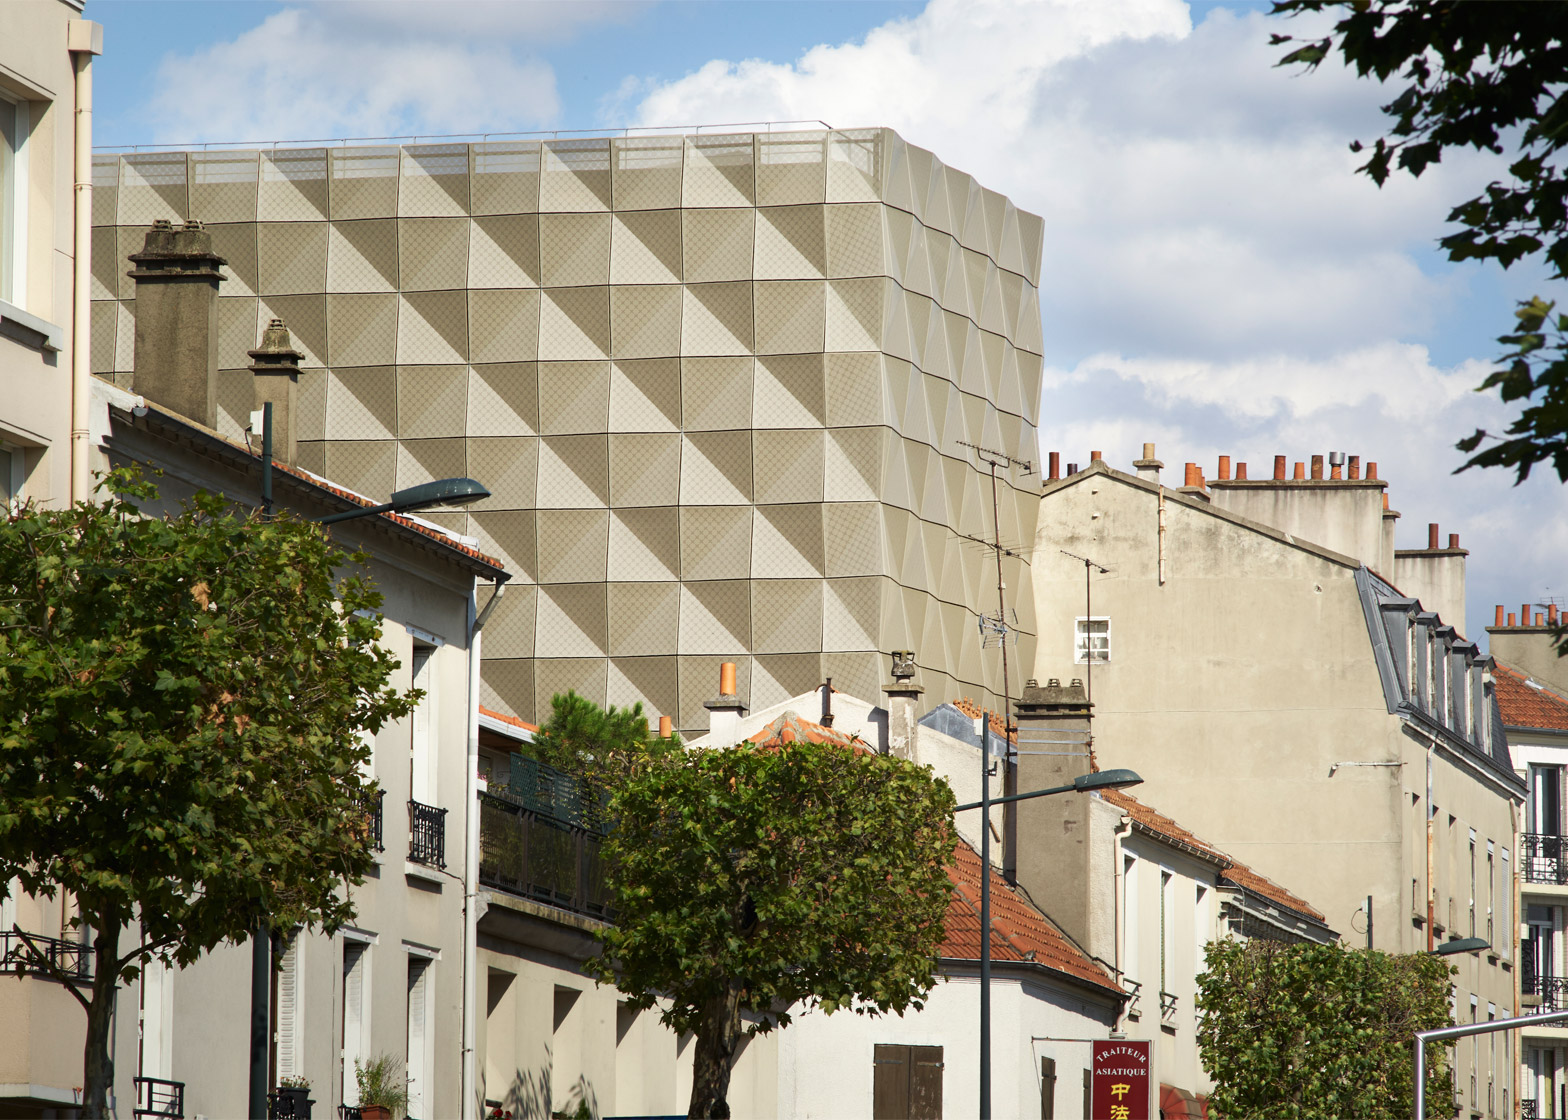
(260,1015)
(1369,921)
(985,918)
(1443,1034)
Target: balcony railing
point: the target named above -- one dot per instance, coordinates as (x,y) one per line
(1545,859)
(426,834)
(525,852)
(1526,1108)
(156,1097)
(1553,991)
(1167,1007)
(1134,990)
(370,805)
(71,957)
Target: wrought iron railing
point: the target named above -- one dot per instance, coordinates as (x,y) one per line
(349,1112)
(1545,858)
(370,805)
(159,1098)
(72,958)
(1167,1007)
(1526,1108)
(525,852)
(426,834)
(1553,991)
(1134,990)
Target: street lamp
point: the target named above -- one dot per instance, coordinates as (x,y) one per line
(1103,779)
(1461,945)
(441,492)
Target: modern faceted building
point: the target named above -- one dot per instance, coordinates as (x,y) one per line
(719,386)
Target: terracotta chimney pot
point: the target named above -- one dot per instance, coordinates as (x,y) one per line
(1355,467)
(1431,535)
(1094,456)
(1499,620)
(727,679)
(1055,459)
(1241,472)
(1224,468)
(1453,540)
(1317,467)
(1511,621)
(666,727)
(1301,472)
(1279,467)
(1372,472)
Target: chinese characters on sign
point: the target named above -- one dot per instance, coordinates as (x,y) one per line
(1121,1081)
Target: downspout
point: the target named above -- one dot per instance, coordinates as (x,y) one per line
(1431,887)
(1120,833)
(471,860)
(84,39)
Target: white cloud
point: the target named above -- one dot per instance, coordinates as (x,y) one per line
(323,70)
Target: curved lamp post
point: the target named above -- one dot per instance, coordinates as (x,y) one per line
(1083,783)
(441,492)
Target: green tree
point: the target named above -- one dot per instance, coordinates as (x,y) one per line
(594,743)
(181,700)
(1492,77)
(1320,1032)
(753,879)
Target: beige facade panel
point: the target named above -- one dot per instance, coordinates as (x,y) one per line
(716,384)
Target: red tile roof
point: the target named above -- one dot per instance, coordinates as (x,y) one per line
(1238,873)
(513,720)
(1526,703)
(1019,932)
(791,728)
(973,711)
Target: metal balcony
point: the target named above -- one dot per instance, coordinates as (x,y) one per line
(72,958)
(370,805)
(1552,991)
(159,1098)
(427,834)
(526,852)
(1545,859)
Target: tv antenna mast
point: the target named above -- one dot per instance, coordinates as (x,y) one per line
(998,626)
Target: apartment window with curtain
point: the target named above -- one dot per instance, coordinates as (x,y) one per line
(1545,808)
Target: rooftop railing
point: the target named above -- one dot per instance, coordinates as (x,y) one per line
(1545,859)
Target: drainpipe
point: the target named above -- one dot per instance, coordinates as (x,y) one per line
(1431,888)
(84,38)
(470,1082)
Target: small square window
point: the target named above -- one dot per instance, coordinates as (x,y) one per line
(1091,640)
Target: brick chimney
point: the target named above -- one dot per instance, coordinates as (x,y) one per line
(1524,644)
(1057,836)
(176,356)
(725,709)
(274,366)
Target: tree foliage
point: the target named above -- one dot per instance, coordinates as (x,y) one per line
(181,701)
(1320,1032)
(753,879)
(1491,77)
(594,743)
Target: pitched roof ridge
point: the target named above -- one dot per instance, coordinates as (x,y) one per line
(1527,702)
(503,718)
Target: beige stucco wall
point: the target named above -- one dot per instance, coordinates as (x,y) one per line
(35,391)
(1437,578)
(1344,515)
(1528,650)
(1236,687)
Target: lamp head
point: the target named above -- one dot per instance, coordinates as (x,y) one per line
(1462,945)
(441,492)
(1106,779)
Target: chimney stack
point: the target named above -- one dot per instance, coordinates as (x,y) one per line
(274,367)
(725,710)
(1148,467)
(903,717)
(176,356)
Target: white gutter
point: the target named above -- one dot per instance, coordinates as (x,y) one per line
(84,38)
(470,1082)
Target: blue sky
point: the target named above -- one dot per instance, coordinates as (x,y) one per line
(1216,279)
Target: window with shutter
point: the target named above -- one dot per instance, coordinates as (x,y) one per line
(355,1017)
(290,1059)
(419,1036)
(906,1083)
(1047,1089)
(422,783)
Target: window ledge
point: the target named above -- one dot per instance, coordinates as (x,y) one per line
(29,329)
(420,871)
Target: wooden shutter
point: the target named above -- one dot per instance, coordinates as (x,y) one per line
(890,1083)
(289,1064)
(422,789)
(925,1083)
(1047,1089)
(418,1033)
(353,1016)
(1088,1094)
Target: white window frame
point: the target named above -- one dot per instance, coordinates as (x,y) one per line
(422,726)
(1083,639)
(13,203)
(291,1003)
(420,1053)
(356,1043)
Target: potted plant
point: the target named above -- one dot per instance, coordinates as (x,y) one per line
(292,1100)
(383,1090)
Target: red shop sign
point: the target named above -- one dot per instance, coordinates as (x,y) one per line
(1122,1087)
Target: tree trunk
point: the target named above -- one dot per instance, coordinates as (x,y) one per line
(98,1054)
(717,1041)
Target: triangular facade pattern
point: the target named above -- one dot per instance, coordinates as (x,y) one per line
(718,385)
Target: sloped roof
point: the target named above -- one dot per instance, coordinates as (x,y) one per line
(1019,932)
(973,711)
(792,728)
(1232,871)
(511,720)
(1528,703)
